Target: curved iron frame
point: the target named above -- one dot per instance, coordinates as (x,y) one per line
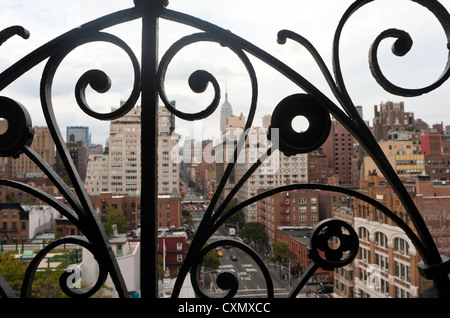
(149,78)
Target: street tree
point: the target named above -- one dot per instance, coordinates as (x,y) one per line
(253,232)
(115,216)
(280,251)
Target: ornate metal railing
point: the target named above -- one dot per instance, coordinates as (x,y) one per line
(149,85)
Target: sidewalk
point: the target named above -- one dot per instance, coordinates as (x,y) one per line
(278,282)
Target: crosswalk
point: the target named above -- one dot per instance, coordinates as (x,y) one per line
(230,268)
(261,293)
(222,237)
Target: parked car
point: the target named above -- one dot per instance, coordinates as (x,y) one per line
(325,290)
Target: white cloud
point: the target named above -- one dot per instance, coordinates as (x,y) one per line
(257,21)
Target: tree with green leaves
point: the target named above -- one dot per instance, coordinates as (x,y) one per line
(236,218)
(115,216)
(12,270)
(45,282)
(253,232)
(280,251)
(211,260)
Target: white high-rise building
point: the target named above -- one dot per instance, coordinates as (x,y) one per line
(168,154)
(277,170)
(97,176)
(119,170)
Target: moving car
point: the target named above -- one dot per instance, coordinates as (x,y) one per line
(325,290)
(234,258)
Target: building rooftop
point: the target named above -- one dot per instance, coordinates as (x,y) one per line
(300,234)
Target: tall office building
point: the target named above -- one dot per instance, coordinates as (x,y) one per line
(359,109)
(119,171)
(78,133)
(277,170)
(78,152)
(225,112)
(391,116)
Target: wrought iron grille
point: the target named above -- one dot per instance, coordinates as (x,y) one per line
(149,85)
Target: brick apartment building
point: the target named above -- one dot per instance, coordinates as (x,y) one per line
(172,247)
(64,227)
(290,208)
(129,205)
(298,239)
(169,211)
(14,223)
(318,169)
(23,166)
(169,208)
(340,151)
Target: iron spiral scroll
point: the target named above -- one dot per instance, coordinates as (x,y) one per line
(149,83)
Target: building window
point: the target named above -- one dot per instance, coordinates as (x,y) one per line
(402,271)
(382,261)
(381,240)
(401,246)
(401,293)
(364,254)
(363,234)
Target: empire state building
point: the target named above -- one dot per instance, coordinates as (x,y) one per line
(225,112)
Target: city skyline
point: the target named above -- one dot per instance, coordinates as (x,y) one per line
(299,16)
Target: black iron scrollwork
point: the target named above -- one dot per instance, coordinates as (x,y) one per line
(19,135)
(323,240)
(65,278)
(227,280)
(317,108)
(19,132)
(292,142)
(14,30)
(402,46)
(337,255)
(313,104)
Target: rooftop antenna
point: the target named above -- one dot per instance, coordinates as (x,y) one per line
(226,92)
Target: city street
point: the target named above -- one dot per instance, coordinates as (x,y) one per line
(250,278)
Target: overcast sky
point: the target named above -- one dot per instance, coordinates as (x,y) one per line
(257,21)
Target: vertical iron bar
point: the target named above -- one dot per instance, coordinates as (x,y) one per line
(149,146)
